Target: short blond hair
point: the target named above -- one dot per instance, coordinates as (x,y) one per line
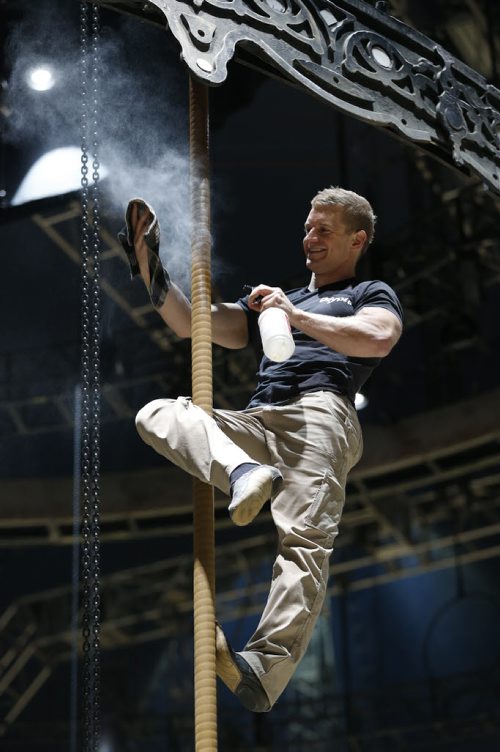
(357,211)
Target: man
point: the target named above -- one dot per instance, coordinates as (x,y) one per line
(298,438)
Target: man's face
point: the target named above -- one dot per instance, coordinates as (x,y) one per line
(331,250)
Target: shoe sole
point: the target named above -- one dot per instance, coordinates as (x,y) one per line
(247,510)
(226,668)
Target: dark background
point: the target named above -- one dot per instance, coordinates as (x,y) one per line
(407,652)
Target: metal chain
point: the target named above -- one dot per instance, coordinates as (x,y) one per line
(90,456)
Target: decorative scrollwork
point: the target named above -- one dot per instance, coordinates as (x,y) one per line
(359,59)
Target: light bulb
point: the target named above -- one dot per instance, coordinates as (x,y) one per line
(40,78)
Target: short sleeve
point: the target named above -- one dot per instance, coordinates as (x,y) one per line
(253,325)
(378,294)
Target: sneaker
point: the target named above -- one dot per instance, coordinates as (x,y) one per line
(250,492)
(237,675)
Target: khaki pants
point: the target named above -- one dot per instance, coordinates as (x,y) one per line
(314,441)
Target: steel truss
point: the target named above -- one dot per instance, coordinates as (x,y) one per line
(439,277)
(426,506)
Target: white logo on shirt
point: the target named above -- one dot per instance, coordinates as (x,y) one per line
(336,299)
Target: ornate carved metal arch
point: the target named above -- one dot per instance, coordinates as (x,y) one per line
(359,59)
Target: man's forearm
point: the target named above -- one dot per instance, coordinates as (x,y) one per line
(355,336)
(176,311)
(229,325)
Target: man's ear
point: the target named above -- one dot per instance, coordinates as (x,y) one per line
(359,239)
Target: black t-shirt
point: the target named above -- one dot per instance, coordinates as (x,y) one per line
(314,366)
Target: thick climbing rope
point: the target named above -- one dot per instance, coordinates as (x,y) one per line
(205,689)
(90,378)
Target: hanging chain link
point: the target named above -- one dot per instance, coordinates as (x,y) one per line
(90,455)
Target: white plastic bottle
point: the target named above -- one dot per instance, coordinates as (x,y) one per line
(276,335)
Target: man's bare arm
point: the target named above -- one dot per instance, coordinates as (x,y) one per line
(229,323)
(370,333)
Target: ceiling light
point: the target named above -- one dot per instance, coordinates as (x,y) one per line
(55,173)
(40,78)
(360,401)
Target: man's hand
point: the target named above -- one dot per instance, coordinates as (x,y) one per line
(141,242)
(140,221)
(263,297)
